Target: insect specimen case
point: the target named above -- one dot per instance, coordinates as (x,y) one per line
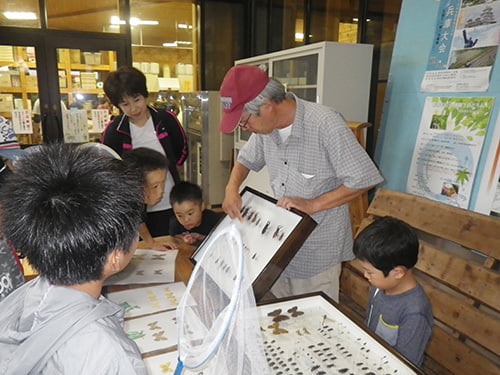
(271,237)
(310,334)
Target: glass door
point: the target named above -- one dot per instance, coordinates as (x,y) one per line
(52,87)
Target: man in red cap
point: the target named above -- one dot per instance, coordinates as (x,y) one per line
(315,165)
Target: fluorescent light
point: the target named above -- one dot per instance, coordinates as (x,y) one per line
(137,21)
(177,43)
(20,15)
(134,21)
(115,20)
(184,26)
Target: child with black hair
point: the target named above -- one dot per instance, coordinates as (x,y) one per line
(74,213)
(399,310)
(154,168)
(192,220)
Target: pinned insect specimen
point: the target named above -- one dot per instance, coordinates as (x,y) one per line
(254,218)
(250,215)
(274,313)
(166,368)
(294,312)
(159,336)
(276,329)
(278,233)
(266,227)
(280,318)
(154,325)
(244,211)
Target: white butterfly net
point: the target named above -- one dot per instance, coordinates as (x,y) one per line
(217,318)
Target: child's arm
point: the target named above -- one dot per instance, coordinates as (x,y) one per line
(192,238)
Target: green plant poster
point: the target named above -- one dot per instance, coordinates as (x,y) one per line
(448,146)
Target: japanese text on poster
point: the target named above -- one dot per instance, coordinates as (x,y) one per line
(465,46)
(449,143)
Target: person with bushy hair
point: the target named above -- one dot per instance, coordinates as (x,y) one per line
(74,213)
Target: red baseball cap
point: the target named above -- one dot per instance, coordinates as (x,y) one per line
(241,85)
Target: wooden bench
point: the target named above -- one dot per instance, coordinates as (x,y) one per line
(458,268)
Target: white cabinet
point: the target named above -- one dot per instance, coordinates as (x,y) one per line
(334,74)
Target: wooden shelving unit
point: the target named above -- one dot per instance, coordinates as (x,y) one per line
(69,61)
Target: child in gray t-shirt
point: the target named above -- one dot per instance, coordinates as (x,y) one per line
(398,311)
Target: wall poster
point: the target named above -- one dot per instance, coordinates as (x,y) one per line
(488,198)
(448,147)
(465,46)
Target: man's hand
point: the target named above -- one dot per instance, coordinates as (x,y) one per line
(232,205)
(305,205)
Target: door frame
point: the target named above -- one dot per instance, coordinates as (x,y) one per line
(46,43)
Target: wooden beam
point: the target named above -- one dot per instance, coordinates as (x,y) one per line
(470,229)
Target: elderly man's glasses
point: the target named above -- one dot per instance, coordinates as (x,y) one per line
(243,123)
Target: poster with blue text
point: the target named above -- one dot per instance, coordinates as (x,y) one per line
(449,143)
(465,46)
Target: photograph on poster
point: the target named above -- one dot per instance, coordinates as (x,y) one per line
(309,335)
(270,235)
(465,47)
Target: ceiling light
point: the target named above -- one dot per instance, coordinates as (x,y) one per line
(184,42)
(115,20)
(174,44)
(20,15)
(134,21)
(137,21)
(184,26)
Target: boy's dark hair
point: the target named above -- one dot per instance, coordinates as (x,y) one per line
(67,208)
(126,81)
(145,160)
(186,191)
(386,244)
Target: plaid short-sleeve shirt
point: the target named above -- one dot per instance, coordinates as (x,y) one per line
(320,155)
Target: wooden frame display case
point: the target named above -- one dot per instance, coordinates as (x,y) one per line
(310,334)
(271,237)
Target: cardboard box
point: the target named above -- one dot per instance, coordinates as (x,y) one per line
(6,102)
(5,80)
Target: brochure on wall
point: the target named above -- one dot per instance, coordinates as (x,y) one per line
(465,46)
(21,121)
(448,147)
(100,118)
(488,198)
